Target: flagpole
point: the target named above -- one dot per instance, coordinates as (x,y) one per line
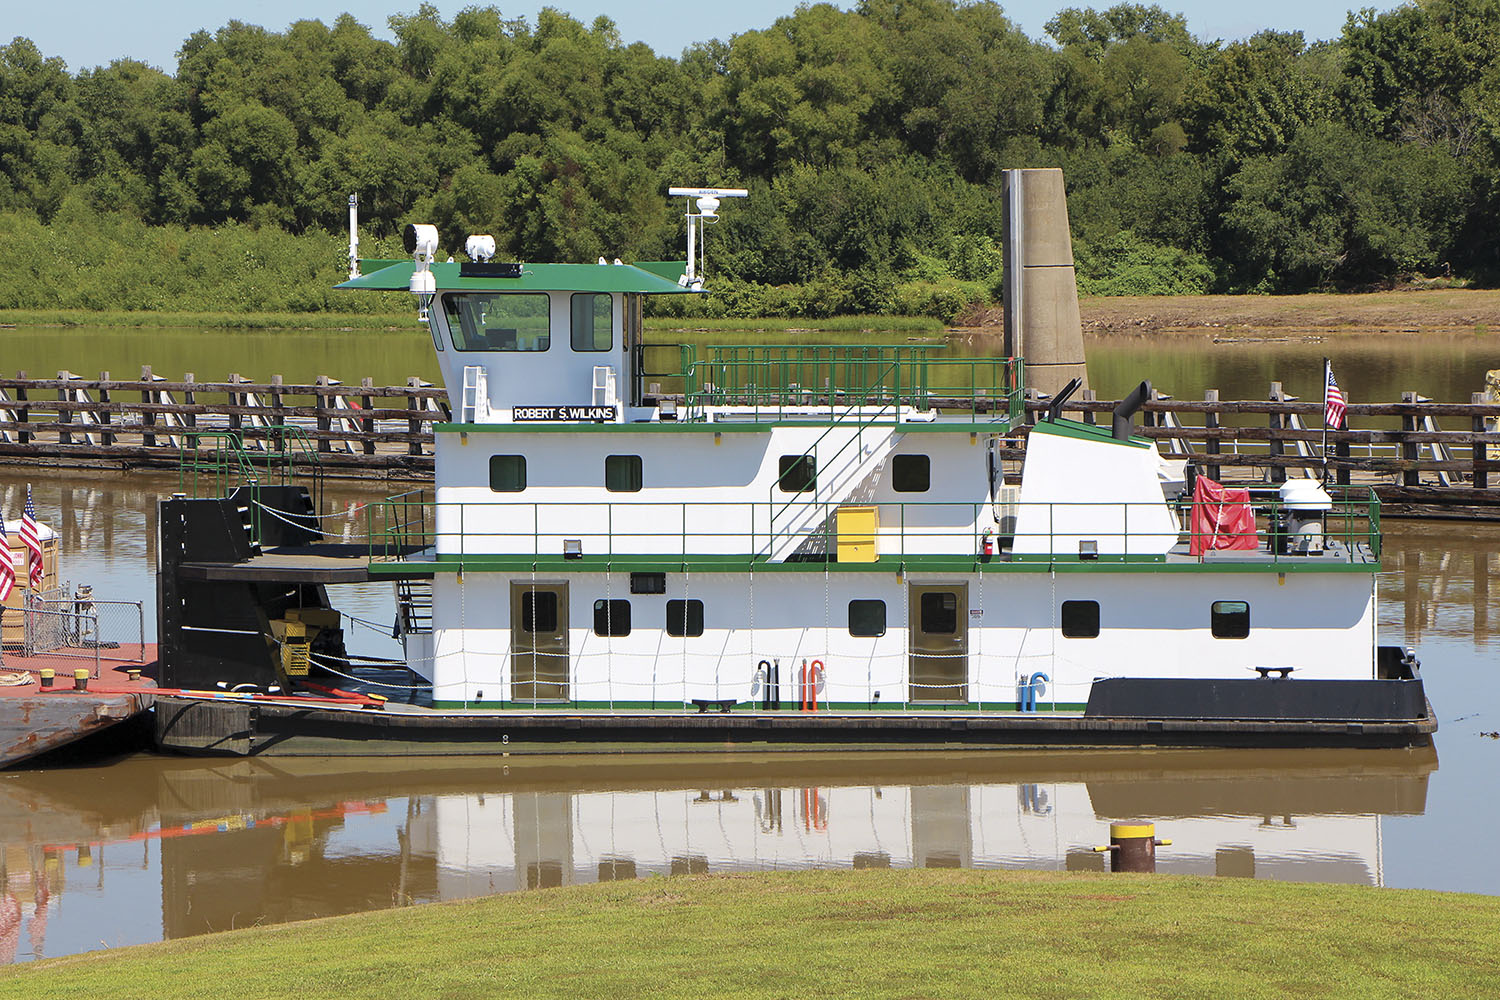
(1327,367)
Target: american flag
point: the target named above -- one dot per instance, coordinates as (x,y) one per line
(7,563)
(32,541)
(1333,399)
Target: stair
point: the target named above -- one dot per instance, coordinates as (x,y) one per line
(413,607)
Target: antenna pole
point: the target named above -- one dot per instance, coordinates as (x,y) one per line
(354,236)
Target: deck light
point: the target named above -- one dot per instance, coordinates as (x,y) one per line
(421,242)
(572,548)
(1088,548)
(480,248)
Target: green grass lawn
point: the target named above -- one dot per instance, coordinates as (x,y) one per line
(820,934)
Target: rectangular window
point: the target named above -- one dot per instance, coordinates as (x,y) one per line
(1231,619)
(798,474)
(911,473)
(593,322)
(648,583)
(612,617)
(538,611)
(939,613)
(867,618)
(684,618)
(499,321)
(507,473)
(622,473)
(1080,619)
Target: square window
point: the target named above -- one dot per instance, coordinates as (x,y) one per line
(798,474)
(622,473)
(538,611)
(593,318)
(867,618)
(507,473)
(911,473)
(612,618)
(684,618)
(1230,619)
(1080,619)
(940,613)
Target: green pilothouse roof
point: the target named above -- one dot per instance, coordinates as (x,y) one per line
(645,278)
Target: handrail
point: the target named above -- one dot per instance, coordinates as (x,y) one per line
(233,466)
(671,529)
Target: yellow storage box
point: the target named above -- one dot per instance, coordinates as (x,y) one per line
(857,531)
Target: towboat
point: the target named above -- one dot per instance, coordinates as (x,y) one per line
(634,547)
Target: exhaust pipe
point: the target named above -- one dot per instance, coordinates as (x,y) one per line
(1128,408)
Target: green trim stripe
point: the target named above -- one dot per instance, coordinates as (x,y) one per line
(749,707)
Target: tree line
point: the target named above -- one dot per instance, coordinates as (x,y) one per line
(872,141)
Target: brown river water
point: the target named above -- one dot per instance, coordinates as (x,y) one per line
(143,848)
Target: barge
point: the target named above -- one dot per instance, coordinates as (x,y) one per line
(797,550)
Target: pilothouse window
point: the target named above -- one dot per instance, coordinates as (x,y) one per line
(499,321)
(593,322)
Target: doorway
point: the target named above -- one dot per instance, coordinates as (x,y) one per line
(539,642)
(939,655)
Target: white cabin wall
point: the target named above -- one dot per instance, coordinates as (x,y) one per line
(701,493)
(1151,625)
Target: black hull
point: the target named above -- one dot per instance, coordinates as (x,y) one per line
(239,728)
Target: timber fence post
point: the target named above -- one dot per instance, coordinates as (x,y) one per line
(1409,449)
(324,424)
(367,423)
(1480,450)
(64,416)
(105,417)
(1211,423)
(148,418)
(1277,446)
(23,411)
(413,425)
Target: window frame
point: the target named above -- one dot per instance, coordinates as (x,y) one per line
(518,489)
(609,326)
(687,607)
(1222,623)
(788,465)
(529,611)
(1076,633)
(638,478)
(864,633)
(460,333)
(896,476)
(616,611)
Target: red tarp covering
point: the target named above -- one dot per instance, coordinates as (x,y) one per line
(1222,518)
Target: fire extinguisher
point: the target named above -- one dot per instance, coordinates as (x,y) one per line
(986,546)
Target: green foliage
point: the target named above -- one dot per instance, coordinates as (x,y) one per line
(872,140)
(1127,265)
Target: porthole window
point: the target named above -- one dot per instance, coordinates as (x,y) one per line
(507,473)
(1080,619)
(502,321)
(612,618)
(867,618)
(622,473)
(911,473)
(1230,619)
(684,618)
(797,474)
(593,321)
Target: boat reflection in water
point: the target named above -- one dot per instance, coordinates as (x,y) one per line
(152,848)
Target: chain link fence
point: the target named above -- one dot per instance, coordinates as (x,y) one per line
(80,627)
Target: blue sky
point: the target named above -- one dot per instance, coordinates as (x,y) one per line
(93,32)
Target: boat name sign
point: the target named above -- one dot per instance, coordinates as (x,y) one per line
(524,413)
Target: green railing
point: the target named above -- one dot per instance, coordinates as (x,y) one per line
(779,381)
(738,532)
(215,462)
